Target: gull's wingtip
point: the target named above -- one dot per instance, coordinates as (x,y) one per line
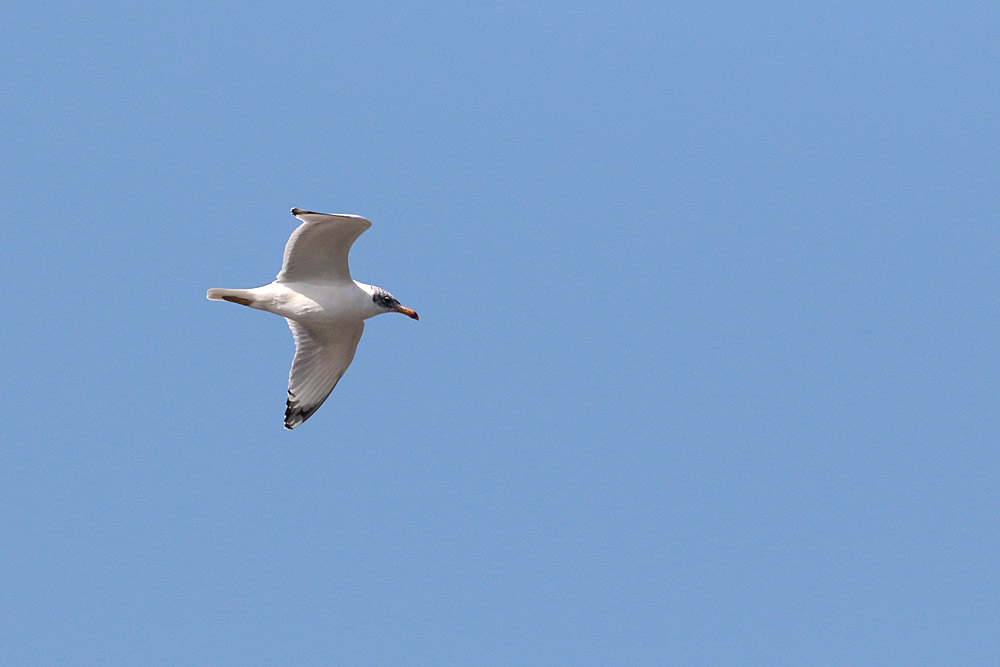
(299,211)
(295,414)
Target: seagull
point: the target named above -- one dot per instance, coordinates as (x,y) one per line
(325,309)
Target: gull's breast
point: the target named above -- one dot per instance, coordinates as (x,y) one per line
(306,302)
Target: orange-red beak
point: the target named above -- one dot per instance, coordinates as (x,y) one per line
(406,311)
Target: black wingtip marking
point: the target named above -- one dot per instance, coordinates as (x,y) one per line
(299,211)
(295,414)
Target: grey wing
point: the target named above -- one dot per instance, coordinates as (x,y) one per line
(317,251)
(322,354)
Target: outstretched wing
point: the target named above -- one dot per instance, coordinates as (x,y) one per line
(322,354)
(317,251)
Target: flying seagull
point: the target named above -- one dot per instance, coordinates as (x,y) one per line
(325,309)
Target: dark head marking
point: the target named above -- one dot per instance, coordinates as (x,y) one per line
(384,299)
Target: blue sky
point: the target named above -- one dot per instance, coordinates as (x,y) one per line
(706,371)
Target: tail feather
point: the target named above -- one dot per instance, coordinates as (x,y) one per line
(240,296)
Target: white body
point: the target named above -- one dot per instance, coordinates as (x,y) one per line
(319,304)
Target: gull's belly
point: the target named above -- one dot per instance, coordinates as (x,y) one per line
(316,303)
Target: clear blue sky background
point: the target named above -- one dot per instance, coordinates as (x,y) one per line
(706,371)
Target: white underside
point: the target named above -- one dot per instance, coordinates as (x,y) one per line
(317,304)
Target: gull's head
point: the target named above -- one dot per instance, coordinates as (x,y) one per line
(390,304)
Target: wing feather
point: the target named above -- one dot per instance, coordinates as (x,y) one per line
(317,250)
(322,354)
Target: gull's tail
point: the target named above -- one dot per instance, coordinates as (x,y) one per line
(240,296)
